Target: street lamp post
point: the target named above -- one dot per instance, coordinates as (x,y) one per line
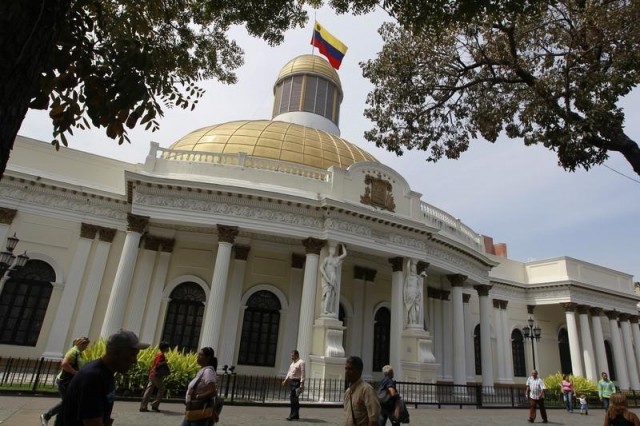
(532,333)
(10,262)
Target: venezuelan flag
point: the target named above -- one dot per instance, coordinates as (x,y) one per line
(328,45)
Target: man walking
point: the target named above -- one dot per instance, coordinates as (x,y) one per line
(90,395)
(295,379)
(361,405)
(605,388)
(535,393)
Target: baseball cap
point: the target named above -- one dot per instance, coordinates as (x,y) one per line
(125,339)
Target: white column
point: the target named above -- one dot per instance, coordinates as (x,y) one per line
(308,302)
(574,340)
(356,329)
(58,339)
(437,332)
(212,324)
(397,315)
(151,316)
(588,353)
(447,335)
(232,310)
(87,306)
(468,333)
(622,374)
(636,338)
(627,342)
(507,345)
(6,218)
(459,373)
(485,335)
(501,346)
(296,280)
(598,340)
(140,285)
(367,324)
(122,282)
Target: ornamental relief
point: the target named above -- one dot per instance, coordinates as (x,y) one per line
(378,192)
(349,227)
(226,209)
(67,203)
(434,252)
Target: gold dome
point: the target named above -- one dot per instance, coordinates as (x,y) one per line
(310,64)
(276,140)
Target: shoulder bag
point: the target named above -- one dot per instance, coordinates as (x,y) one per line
(199,410)
(400,414)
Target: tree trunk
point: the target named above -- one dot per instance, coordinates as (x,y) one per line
(28,33)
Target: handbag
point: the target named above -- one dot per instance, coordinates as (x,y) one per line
(199,410)
(383,396)
(400,414)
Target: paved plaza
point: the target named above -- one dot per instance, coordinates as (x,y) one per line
(24,411)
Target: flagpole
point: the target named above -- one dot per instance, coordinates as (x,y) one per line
(315,15)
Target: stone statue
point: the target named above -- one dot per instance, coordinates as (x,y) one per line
(413,294)
(330,270)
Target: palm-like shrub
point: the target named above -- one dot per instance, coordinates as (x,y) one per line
(581,385)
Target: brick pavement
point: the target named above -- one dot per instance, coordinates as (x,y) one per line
(24,411)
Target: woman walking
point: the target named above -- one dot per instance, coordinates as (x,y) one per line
(202,389)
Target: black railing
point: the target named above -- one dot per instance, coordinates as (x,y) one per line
(38,376)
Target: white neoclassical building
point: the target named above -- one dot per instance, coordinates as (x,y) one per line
(257,237)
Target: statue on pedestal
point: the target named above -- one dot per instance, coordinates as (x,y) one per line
(413,294)
(330,271)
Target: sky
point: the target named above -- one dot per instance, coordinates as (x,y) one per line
(515,194)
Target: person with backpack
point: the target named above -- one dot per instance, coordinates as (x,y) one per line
(387,395)
(158,371)
(69,366)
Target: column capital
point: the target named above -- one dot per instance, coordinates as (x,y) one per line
(496,304)
(625,317)
(583,309)
(396,263)
(569,307)
(313,245)
(466,297)
(227,234)
(634,319)
(7,215)
(241,252)
(482,289)
(151,242)
(166,244)
(107,234)
(457,280)
(612,315)
(596,312)
(297,260)
(530,309)
(88,231)
(137,223)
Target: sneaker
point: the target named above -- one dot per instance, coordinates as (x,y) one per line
(43,420)
(155,408)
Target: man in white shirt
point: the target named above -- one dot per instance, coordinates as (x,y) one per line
(535,393)
(295,379)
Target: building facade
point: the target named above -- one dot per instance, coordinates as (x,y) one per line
(257,237)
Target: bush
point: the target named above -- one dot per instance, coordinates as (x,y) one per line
(183,366)
(581,385)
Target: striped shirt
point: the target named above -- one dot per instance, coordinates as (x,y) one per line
(536,387)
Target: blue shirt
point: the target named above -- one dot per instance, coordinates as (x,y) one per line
(90,395)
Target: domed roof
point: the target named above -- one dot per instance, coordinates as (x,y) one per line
(275,140)
(310,64)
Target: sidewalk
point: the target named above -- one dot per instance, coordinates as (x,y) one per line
(25,411)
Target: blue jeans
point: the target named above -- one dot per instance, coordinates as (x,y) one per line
(55,410)
(568,400)
(605,403)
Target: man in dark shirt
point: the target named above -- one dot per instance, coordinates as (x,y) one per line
(90,395)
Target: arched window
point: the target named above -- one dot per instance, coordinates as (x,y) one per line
(184,317)
(610,364)
(381,338)
(517,353)
(476,349)
(23,303)
(565,352)
(259,341)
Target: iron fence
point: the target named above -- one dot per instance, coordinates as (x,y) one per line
(38,376)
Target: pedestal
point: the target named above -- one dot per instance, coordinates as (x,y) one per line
(416,356)
(327,338)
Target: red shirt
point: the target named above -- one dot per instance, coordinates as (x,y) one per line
(159,358)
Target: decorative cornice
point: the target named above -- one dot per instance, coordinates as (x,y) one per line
(457,280)
(313,245)
(7,215)
(298,260)
(634,319)
(396,264)
(227,234)
(625,317)
(88,231)
(136,223)
(241,252)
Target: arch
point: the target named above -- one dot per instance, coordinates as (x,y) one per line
(260,329)
(381,338)
(565,351)
(517,353)
(58,271)
(185,314)
(266,287)
(610,364)
(171,285)
(477,352)
(24,301)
